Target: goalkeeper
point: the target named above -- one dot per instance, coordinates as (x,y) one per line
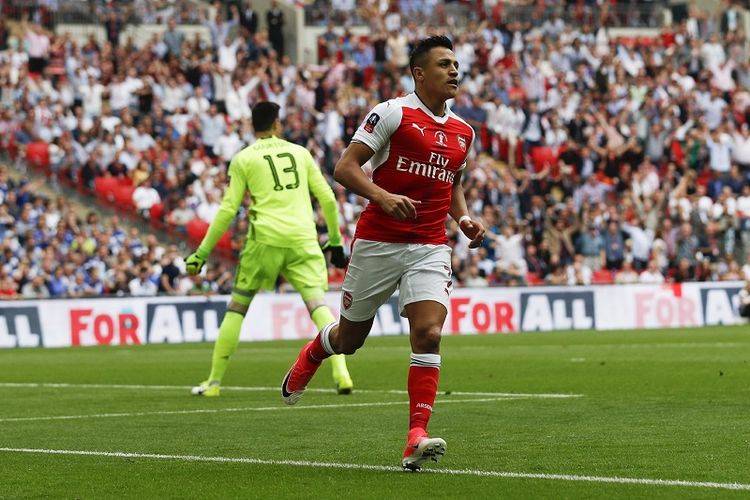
(281,237)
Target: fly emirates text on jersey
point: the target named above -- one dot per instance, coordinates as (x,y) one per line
(435,169)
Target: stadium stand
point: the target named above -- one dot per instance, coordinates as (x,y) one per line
(577,128)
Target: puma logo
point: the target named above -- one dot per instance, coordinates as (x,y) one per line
(421,129)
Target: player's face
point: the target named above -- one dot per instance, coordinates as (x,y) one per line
(441,73)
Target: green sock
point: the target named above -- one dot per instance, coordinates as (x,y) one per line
(226,344)
(323,317)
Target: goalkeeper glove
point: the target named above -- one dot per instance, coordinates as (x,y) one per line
(194,263)
(338,258)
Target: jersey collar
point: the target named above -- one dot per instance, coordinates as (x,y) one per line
(421,105)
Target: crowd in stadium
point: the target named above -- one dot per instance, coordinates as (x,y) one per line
(598,159)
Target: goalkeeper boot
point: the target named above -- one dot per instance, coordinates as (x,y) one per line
(420,448)
(299,375)
(344,384)
(341,377)
(208,388)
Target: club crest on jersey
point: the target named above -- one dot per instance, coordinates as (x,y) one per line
(440,138)
(372,120)
(347,300)
(462,143)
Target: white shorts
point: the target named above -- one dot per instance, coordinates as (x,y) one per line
(376,269)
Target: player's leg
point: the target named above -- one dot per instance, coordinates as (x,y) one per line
(371,278)
(258,268)
(305,269)
(319,349)
(425,324)
(425,290)
(224,347)
(322,316)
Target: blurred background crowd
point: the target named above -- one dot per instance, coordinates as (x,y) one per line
(599,158)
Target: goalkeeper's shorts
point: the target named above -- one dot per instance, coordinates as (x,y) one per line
(260,265)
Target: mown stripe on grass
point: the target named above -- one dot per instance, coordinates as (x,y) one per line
(63,385)
(279,407)
(390,468)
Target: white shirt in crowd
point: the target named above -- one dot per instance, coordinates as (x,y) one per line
(145,196)
(208,209)
(720,153)
(142,287)
(651,278)
(197,105)
(741,148)
(227,145)
(91,95)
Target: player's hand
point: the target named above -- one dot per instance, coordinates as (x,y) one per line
(473,230)
(338,258)
(399,206)
(194,263)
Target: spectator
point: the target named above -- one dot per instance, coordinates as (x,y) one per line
(145,197)
(613,253)
(170,273)
(35,289)
(141,285)
(173,39)
(275,23)
(651,275)
(473,278)
(249,19)
(509,250)
(627,274)
(578,273)
(744,297)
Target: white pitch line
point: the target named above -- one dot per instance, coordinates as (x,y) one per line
(390,468)
(46,385)
(280,407)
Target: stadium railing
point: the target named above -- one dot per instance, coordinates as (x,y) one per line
(641,14)
(81,12)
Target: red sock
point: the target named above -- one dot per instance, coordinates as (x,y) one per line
(423,383)
(316,351)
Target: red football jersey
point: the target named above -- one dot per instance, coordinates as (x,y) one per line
(417,154)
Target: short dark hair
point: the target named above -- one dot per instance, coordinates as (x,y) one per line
(264,114)
(423,47)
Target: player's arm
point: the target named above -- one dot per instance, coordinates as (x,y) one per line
(227,211)
(324,194)
(473,229)
(349,173)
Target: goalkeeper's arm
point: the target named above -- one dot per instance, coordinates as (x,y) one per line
(324,194)
(227,211)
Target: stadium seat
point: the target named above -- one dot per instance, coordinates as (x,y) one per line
(104,187)
(543,156)
(602,277)
(534,279)
(37,154)
(196,230)
(645,41)
(156,211)
(225,242)
(336,276)
(123,196)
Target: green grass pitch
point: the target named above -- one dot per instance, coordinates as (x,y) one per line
(668,410)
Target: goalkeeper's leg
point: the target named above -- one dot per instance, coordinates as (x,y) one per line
(322,317)
(225,346)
